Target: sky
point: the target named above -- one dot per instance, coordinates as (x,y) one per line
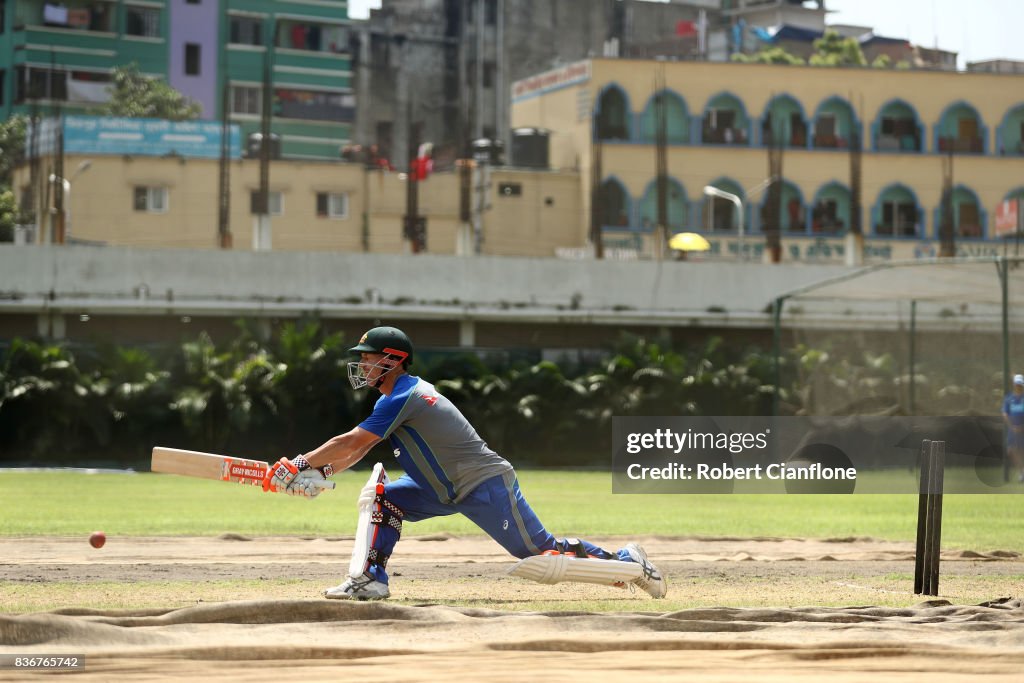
(976,29)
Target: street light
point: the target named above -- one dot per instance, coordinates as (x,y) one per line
(66,182)
(712,191)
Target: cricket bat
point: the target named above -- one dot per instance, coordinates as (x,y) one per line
(212,466)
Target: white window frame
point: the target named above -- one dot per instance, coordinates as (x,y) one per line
(275,201)
(252,95)
(254,18)
(151,25)
(333,201)
(156,199)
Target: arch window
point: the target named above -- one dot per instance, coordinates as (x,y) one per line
(897,128)
(897,214)
(676,117)
(792,212)
(612,115)
(615,205)
(784,121)
(1011,132)
(960,130)
(835,125)
(675,204)
(720,214)
(725,121)
(830,213)
(968,218)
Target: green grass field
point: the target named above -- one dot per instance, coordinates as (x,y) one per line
(569,503)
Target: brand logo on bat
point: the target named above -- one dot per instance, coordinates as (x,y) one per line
(246,470)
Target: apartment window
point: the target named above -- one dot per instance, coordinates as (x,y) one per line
(150,199)
(191,59)
(275,202)
(314,105)
(31,83)
(898,219)
(142,21)
(245,100)
(332,205)
(246,31)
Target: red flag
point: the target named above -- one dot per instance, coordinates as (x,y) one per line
(685,29)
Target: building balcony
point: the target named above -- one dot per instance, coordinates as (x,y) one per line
(40,39)
(962,145)
(724,136)
(830,142)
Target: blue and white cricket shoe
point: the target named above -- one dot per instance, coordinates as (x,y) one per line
(652,580)
(364,587)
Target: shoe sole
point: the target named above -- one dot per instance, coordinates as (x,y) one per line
(361,598)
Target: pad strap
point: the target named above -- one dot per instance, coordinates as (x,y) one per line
(386,504)
(377,557)
(386,517)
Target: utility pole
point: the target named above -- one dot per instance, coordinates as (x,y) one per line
(947,242)
(224,238)
(262,232)
(466,169)
(855,236)
(661,162)
(596,201)
(57,218)
(773,201)
(415,226)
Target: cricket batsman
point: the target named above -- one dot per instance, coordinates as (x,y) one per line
(448,469)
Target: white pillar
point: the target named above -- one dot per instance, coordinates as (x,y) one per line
(467,333)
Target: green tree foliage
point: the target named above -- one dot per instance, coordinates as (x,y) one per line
(834,50)
(48,405)
(12,151)
(134,95)
(771,55)
(8,215)
(12,146)
(268,399)
(882,62)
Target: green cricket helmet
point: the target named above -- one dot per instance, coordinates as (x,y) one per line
(390,341)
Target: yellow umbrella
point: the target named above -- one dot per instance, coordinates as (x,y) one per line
(688,241)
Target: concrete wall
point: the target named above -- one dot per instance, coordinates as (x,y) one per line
(75,278)
(100,206)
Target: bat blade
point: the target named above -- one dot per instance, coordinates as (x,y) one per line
(212,466)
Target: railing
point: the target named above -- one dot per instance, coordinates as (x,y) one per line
(724,136)
(958,144)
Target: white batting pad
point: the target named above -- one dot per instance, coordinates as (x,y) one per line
(364,529)
(557,568)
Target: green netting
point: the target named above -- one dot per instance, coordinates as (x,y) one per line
(917,338)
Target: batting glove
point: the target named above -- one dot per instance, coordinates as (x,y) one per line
(306,484)
(283,472)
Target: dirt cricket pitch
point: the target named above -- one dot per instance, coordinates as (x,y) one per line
(232,609)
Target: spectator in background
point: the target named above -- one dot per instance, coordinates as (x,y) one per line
(1013,415)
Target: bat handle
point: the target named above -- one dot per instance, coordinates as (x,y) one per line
(326,484)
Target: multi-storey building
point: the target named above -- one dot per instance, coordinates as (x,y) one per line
(62,54)
(935,150)
(750,152)
(440,70)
